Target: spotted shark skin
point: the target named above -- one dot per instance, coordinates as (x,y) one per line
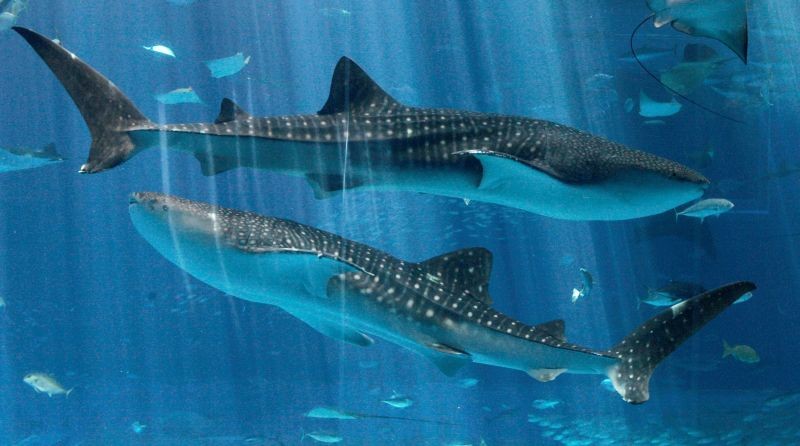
(439,308)
(529,164)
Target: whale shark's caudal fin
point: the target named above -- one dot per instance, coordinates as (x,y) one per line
(642,350)
(107,111)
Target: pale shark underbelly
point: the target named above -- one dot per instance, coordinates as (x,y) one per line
(497,180)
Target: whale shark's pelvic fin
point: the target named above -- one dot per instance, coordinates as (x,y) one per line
(642,350)
(108,113)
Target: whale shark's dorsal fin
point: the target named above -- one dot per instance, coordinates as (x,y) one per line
(467,269)
(230,111)
(353,90)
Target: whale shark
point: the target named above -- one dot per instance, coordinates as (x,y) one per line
(440,308)
(363,138)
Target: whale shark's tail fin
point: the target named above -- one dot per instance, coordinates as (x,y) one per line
(642,350)
(107,111)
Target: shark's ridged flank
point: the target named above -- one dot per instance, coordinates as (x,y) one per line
(439,308)
(364,138)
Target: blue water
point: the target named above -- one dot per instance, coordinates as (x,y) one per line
(90,302)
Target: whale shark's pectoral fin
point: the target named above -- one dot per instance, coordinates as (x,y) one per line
(468,269)
(723,20)
(334,330)
(326,186)
(446,358)
(211,165)
(340,332)
(353,91)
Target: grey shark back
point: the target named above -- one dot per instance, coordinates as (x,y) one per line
(439,308)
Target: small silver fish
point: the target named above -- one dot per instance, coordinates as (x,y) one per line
(671,293)
(330,414)
(467,383)
(160,49)
(545,404)
(398,401)
(706,208)
(586,288)
(138,427)
(323,437)
(783,400)
(44,383)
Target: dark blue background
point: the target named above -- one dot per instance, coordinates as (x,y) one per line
(91,303)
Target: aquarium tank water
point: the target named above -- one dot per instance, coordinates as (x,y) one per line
(364,222)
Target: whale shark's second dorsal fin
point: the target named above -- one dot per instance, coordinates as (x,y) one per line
(353,90)
(230,111)
(554,328)
(467,268)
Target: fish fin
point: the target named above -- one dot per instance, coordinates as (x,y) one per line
(576,294)
(66,395)
(656,78)
(726,349)
(545,375)
(352,90)
(211,165)
(328,185)
(339,332)
(49,150)
(230,111)
(108,113)
(467,268)
(645,347)
(446,358)
(722,20)
(554,328)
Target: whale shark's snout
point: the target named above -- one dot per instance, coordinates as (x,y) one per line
(169,222)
